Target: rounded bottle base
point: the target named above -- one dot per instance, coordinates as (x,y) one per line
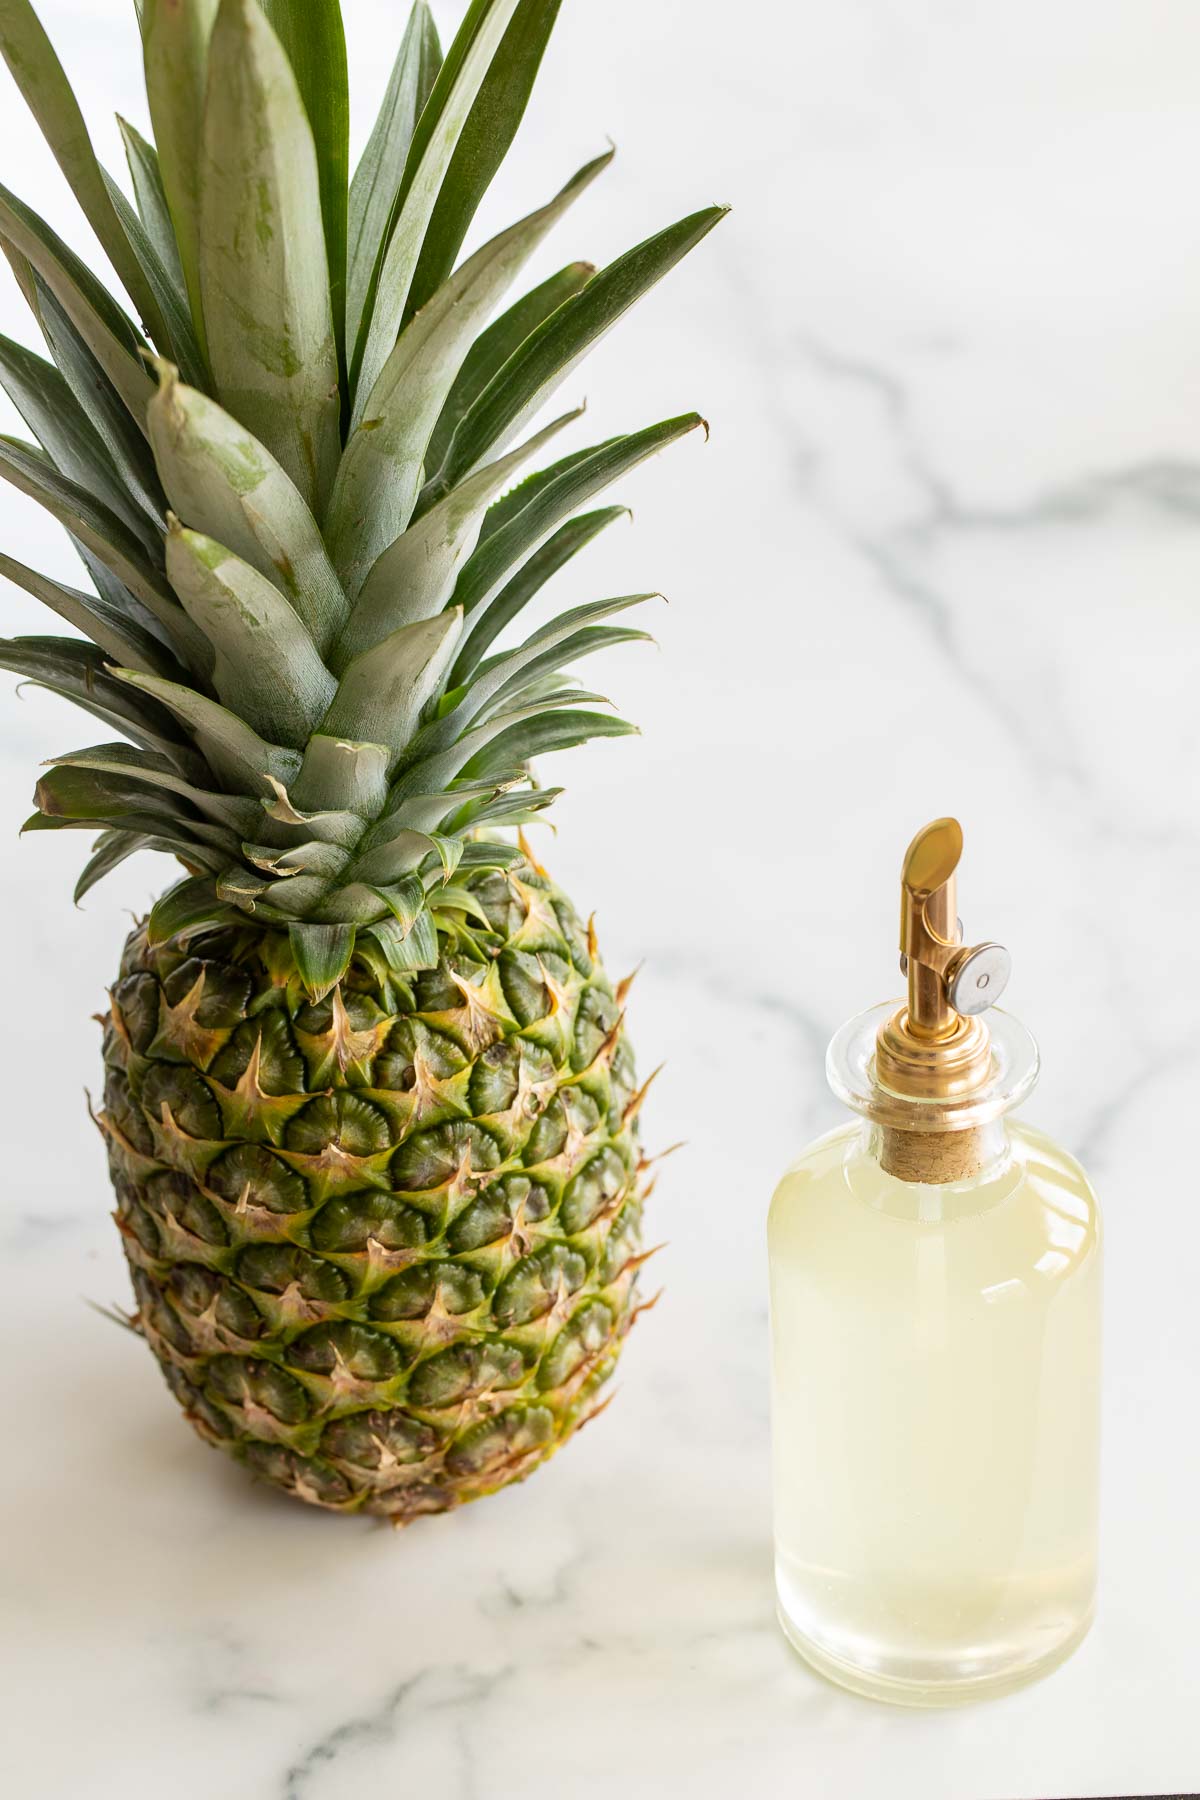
(906,1681)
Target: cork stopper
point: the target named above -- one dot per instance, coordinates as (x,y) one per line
(932,1157)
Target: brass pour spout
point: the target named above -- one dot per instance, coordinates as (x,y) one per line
(929,929)
(935,1047)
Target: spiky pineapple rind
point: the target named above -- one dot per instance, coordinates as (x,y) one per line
(385,1247)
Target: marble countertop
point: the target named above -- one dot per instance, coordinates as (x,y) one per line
(942,554)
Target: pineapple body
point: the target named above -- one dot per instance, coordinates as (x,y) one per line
(384,1245)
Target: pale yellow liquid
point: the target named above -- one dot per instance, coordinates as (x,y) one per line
(936,1360)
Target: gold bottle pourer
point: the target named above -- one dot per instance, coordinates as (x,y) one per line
(931,1077)
(935,1047)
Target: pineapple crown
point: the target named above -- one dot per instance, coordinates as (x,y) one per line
(293,495)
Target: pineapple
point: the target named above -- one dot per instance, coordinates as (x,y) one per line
(369,1105)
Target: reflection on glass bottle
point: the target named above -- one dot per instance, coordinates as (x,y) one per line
(935,1309)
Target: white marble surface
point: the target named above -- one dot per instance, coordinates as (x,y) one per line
(942,554)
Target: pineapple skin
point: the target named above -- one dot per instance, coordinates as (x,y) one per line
(384,1246)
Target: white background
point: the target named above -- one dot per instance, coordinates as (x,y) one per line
(941,555)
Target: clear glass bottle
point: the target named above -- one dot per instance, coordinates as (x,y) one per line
(935,1314)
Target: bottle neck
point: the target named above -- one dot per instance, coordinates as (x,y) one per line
(940,1159)
(936,1141)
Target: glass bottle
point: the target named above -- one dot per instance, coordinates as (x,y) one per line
(935,1317)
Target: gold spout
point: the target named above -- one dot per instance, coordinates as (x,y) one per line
(929,924)
(935,1047)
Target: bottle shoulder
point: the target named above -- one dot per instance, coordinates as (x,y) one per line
(1035,1210)
(1045,1153)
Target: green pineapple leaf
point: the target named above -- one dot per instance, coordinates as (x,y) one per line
(187,905)
(47,92)
(413,578)
(428,773)
(380,170)
(97,797)
(67,435)
(383,691)
(117,632)
(453,898)
(395,861)
(121,436)
(539,735)
(404,899)
(427,812)
(111,849)
(344,774)
(100,322)
(401,733)
(488,682)
(263,276)
(549,354)
(175,41)
(407,950)
(530,578)
(437,133)
(154,770)
(493,347)
(267,668)
(583,643)
(520,808)
(532,512)
(163,831)
(312,35)
(317,857)
(179,337)
(322,954)
(106,537)
(150,196)
(240,758)
(79,672)
(483,144)
(223,482)
(382,468)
